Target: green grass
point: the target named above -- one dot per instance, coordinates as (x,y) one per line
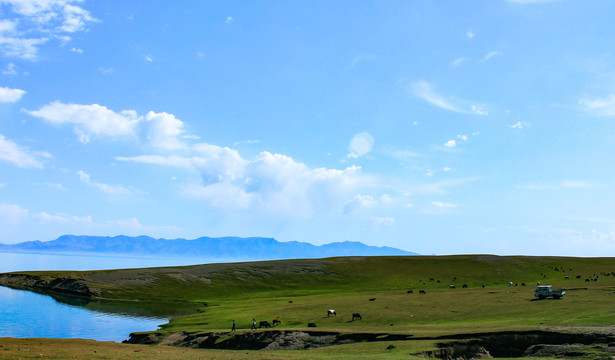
(301,291)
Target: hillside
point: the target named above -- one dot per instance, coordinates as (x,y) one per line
(340,274)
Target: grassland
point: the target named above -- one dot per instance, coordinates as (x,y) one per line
(300,292)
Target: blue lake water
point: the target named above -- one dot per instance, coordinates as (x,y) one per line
(27,314)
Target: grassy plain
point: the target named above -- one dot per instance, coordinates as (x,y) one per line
(301,291)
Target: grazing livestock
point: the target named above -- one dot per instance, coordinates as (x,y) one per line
(264,323)
(483,285)
(356,316)
(522,284)
(277,321)
(331,312)
(422,292)
(311,324)
(409,292)
(451,286)
(465,286)
(372,299)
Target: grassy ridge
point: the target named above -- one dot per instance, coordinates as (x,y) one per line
(317,276)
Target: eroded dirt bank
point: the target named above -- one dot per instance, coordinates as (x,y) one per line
(61,285)
(525,344)
(475,346)
(260,340)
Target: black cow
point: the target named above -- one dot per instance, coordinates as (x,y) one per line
(356,316)
(264,323)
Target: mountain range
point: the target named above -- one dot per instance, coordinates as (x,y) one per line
(228,248)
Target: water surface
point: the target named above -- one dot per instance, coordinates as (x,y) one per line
(26,314)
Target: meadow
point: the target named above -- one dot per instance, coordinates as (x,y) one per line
(465,294)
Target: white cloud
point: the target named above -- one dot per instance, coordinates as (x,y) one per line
(358,202)
(426,91)
(10,70)
(12,214)
(8,95)
(462,137)
(75,18)
(20,156)
(159,130)
(491,55)
(26,49)
(600,106)
(378,221)
(30,23)
(479,109)
(470,34)
(164,130)
(77,50)
(455,63)
(89,120)
(360,145)
(109,189)
(450,143)
(518,125)
(229,20)
(46,218)
(270,183)
(149,58)
(7,26)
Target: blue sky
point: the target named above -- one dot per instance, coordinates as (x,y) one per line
(437,127)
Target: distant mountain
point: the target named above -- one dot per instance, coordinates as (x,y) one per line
(227,248)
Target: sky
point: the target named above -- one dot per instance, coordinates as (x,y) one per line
(444,127)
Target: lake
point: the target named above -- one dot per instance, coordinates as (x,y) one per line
(27,314)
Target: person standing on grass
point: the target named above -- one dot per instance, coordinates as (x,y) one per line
(234,326)
(253,324)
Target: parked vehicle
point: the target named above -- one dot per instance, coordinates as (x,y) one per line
(544,291)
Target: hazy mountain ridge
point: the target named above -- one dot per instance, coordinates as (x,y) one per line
(253,248)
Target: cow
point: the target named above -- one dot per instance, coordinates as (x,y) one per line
(409,292)
(356,316)
(331,312)
(452,286)
(372,299)
(311,324)
(465,286)
(422,292)
(264,323)
(277,321)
